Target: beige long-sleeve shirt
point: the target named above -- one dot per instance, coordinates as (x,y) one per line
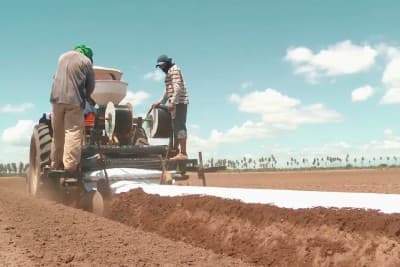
(175,88)
(74,80)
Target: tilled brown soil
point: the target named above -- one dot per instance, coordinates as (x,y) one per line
(352,180)
(205,231)
(36,232)
(264,234)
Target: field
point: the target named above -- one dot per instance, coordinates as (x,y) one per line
(148,230)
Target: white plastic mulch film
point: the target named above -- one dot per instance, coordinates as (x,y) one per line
(125,174)
(386,203)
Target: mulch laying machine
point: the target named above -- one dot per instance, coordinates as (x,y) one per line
(115,148)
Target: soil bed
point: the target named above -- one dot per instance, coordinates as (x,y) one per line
(264,234)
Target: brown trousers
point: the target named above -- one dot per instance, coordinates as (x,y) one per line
(68,126)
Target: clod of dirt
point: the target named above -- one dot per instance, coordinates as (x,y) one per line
(69,259)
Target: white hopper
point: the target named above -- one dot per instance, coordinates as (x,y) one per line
(109,86)
(103,73)
(108,90)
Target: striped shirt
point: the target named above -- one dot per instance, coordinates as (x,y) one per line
(175,89)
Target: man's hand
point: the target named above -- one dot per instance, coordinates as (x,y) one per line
(171,107)
(155,105)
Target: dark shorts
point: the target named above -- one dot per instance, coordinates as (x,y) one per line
(179,123)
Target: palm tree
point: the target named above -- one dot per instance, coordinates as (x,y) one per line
(9,169)
(26,167)
(20,167)
(14,167)
(273,161)
(304,162)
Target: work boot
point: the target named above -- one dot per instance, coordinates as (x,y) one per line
(57,166)
(180,156)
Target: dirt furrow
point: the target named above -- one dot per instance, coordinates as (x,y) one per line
(267,235)
(36,232)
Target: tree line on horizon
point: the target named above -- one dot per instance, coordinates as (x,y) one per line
(270,162)
(13,168)
(263,163)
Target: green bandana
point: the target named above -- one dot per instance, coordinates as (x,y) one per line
(86,50)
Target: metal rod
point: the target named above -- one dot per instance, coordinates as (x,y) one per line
(104,169)
(200,172)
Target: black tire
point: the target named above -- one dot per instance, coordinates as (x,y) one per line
(39,157)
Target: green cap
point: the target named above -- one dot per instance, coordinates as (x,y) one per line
(86,50)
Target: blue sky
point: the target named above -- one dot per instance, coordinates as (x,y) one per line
(294,78)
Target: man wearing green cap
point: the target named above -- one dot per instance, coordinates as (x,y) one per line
(72,87)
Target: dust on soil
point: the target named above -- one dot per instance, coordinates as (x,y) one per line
(36,232)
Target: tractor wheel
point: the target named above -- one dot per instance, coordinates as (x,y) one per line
(92,201)
(39,157)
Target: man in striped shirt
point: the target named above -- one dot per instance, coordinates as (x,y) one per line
(178,99)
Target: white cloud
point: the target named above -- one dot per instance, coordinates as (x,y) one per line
(135,98)
(276,113)
(247,131)
(340,59)
(362,93)
(246,85)
(391,75)
(19,134)
(372,149)
(389,146)
(10,153)
(388,133)
(268,101)
(196,144)
(345,58)
(8,108)
(156,75)
(310,72)
(279,111)
(284,153)
(299,54)
(392,96)
(388,51)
